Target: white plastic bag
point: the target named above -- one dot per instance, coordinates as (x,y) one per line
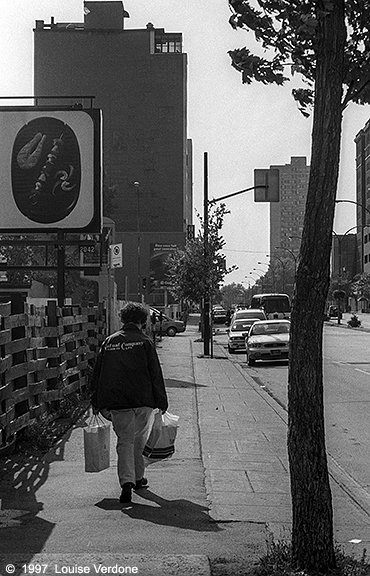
(161,442)
(96,445)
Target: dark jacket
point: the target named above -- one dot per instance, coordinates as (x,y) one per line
(127,372)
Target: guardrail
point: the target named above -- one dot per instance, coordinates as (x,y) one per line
(44,357)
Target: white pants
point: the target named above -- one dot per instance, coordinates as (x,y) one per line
(132,429)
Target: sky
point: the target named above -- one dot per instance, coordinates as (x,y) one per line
(241,127)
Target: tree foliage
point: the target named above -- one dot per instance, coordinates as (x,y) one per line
(326,44)
(361,287)
(188,271)
(280,275)
(234,294)
(289,31)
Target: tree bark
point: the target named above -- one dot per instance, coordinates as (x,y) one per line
(312,530)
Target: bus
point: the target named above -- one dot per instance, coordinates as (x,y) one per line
(274,305)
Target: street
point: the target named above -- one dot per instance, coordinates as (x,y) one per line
(347,399)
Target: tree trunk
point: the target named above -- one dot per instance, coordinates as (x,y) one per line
(312,531)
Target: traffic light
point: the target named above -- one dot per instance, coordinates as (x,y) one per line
(190,232)
(151,283)
(143,283)
(266,183)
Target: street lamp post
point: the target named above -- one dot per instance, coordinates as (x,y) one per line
(256,280)
(137,186)
(294,256)
(265,272)
(283,267)
(340,238)
(206,300)
(260,277)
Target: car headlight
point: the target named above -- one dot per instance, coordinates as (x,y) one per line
(254,345)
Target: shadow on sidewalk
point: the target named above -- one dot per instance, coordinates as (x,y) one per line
(171,383)
(21,476)
(182,514)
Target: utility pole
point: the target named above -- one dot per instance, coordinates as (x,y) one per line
(206,323)
(139,292)
(266,180)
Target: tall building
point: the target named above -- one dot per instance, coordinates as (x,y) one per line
(362,141)
(286,216)
(344,258)
(139,79)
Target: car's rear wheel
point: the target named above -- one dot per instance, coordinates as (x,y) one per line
(171,331)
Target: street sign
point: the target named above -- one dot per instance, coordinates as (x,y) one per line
(116,255)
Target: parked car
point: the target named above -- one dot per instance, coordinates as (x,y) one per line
(219,315)
(169,326)
(237,334)
(268,340)
(249,313)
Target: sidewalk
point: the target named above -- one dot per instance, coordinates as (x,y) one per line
(218,499)
(363,316)
(245,456)
(54,513)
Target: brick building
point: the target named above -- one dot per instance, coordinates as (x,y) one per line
(138,78)
(286,216)
(362,141)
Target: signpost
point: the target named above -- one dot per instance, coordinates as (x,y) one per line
(116,255)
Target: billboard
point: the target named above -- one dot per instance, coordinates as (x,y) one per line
(159,252)
(50,169)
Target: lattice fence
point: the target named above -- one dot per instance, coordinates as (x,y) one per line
(44,357)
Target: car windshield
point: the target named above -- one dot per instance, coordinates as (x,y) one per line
(267,328)
(242,325)
(276,304)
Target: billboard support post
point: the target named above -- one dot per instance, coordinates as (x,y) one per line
(61,269)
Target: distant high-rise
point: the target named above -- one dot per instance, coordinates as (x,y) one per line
(138,78)
(362,141)
(286,216)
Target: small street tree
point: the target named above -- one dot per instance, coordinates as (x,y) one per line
(280,275)
(187,271)
(361,288)
(326,43)
(234,294)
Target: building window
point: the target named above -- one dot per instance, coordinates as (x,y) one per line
(166,43)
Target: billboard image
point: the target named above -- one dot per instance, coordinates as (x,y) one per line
(50,169)
(159,252)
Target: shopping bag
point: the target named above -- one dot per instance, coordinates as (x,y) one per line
(161,442)
(96,445)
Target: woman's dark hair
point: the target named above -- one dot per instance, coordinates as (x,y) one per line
(134,312)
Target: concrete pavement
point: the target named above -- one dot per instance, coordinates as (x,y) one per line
(217,501)
(262,435)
